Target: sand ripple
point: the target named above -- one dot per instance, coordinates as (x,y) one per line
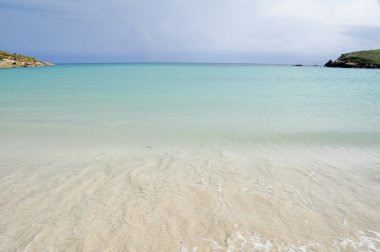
(190,201)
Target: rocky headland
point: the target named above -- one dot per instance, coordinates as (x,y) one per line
(13,60)
(359,59)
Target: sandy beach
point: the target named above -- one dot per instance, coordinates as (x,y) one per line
(189,158)
(153,200)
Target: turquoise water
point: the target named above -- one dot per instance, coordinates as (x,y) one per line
(197,104)
(189,157)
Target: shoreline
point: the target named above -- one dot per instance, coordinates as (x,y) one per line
(189,158)
(7,63)
(107,198)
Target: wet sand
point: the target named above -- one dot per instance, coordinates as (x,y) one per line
(189,157)
(259,199)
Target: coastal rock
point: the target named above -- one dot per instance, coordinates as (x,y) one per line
(360,59)
(9,60)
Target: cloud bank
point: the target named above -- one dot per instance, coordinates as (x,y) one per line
(267,31)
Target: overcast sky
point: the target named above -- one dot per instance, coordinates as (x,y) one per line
(258,31)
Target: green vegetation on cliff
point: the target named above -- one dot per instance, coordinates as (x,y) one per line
(16,57)
(360,59)
(12,60)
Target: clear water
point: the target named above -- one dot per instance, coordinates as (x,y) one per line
(194,103)
(189,157)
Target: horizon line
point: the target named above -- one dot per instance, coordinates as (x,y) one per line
(185,63)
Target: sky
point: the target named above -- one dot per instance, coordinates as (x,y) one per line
(246,31)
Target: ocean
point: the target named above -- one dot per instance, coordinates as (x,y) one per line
(189,157)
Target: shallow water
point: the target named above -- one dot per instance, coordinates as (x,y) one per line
(189,158)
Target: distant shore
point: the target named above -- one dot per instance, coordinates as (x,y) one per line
(359,59)
(9,60)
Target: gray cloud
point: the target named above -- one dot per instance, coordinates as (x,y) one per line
(370,33)
(189,30)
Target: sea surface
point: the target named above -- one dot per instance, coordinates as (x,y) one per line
(189,157)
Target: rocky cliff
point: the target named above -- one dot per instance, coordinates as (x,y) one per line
(360,59)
